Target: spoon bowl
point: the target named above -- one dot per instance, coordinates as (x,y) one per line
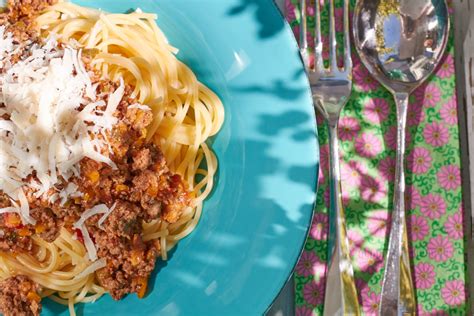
(400,42)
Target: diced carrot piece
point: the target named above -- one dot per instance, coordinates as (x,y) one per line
(136,257)
(143,283)
(39,228)
(12,220)
(121,187)
(93,176)
(23,232)
(33,296)
(152,189)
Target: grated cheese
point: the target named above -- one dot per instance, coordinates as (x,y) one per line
(88,243)
(47,134)
(139,106)
(99,264)
(98,209)
(106,214)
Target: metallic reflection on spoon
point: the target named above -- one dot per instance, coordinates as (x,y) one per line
(400,42)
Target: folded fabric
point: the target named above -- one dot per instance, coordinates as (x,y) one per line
(367,133)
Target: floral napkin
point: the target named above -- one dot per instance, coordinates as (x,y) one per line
(367,133)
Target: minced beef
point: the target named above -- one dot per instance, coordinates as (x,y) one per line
(19,297)
(141,189)
(130,262)
(48,225)
(141,159)
(11,241)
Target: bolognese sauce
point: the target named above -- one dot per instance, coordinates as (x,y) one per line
(140,188)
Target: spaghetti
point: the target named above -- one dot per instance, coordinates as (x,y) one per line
(128,50)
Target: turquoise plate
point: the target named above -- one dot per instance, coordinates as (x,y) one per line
(255,223)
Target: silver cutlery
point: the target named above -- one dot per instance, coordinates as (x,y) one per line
(331,88)
(400,42)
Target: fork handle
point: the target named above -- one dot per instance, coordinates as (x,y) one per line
(341,295)
(398,297)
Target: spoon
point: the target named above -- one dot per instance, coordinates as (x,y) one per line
(400,42)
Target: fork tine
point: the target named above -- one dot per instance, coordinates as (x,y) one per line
(347,38)
(332,38)
(303,33)
(318,43)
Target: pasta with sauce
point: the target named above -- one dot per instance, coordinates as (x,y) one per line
(130,167)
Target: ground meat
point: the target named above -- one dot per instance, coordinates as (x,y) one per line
(125,220)
(129,263)
(19,297)
(48,224)
(140,185)
(12,242)
(175,197)
(26,9)
(137,118)
(19,19)
(4,200)
(141,159)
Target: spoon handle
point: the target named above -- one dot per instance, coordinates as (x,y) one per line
(398,297)
(341,295)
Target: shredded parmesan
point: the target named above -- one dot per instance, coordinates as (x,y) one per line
(98,209)
(90,247)
(80,224)
(50,119)
(99,264)
(106,214)
(139,106)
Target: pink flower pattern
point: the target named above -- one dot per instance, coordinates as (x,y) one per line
(324,157)
(348,128)
(367,133)
(309,264)
(352,173)
(424,276)
(304,311)
(369,261)
(387,168)
(447,67)
(377,223)
(313,292)
(449,177)
(449,112)
(436,134)
(453,292)
(376,110)
(356,241)
(413,197)
(372,190)
(368,145)
(428,94)
(440,248)
(363,80)
(433,206)
(418,227)
(419,160)
(415,114)
(370,303)
(454,226)
(319,226)
(391,137)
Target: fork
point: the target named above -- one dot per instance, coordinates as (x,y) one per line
(331,88)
